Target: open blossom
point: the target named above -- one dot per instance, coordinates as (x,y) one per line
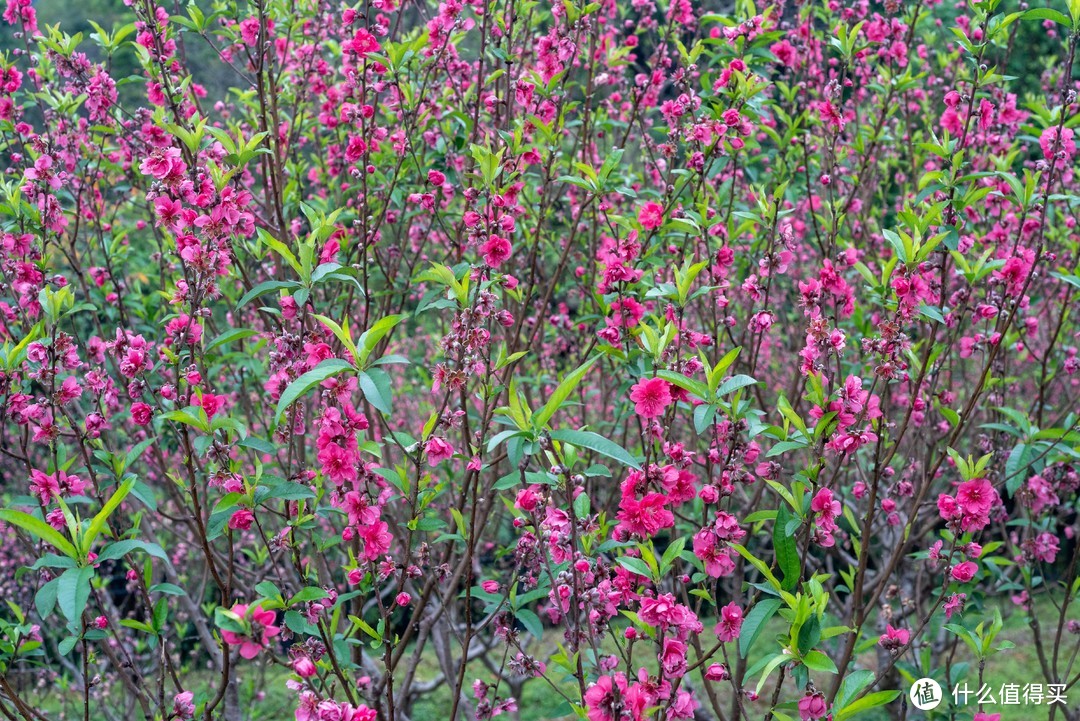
(713,553)
(672,657)
(312,709)
(651,396)
(976,497)
(954,604)
(1064,144)
(241,519)
(666,612)
(600,698)
(496,251)
(1044,547)
(651,215)
(827,510)
(646,516)
(964,572)
(730,624)
(376,540)
(971,506)
(141,413)
(364,43)
(438,450)
(262,629)
(894,638)
(47,487)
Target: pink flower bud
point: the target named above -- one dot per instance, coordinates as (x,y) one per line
(303,666)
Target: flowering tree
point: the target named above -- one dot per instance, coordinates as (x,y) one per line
(658,361)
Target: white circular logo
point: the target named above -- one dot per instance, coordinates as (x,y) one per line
(925,694)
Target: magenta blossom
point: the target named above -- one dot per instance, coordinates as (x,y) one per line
(651,215)
(813,706)
(730,625)
(964,572)
(262,629)
(651,396)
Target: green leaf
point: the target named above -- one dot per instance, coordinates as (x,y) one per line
(228,337)
(371,337)
(690,385)
(283,490)
(635,565)
(311,593)
(323,271)
(869,701)
(195,420)
(73,591)
(137,450)
(263,288)
(671,552)
(715,374)
(809,635)
(1015,466)
(562,392)
(169,589)
(102,517)
(45,598)
(66,646)
(123,548)
(375,385)
(770,665)
(787,554)
(283,250)
(734,383)
(755,622)
(582,506)
(1057,434)
(596,442)
(1047,14)
(852,685)
(38,528)
(341,333)
(298,624)
(817,661)
(531,622)
(300,386)
(759,565)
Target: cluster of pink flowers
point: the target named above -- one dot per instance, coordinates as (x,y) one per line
(970,508)
(550,345)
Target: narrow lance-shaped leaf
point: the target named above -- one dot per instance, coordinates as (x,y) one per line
(40,529)
(371,337)
(787,554)
(562,392)
(266,287)
(596,442)
(99,521)
(300,386)
(755,622)
(698,388)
